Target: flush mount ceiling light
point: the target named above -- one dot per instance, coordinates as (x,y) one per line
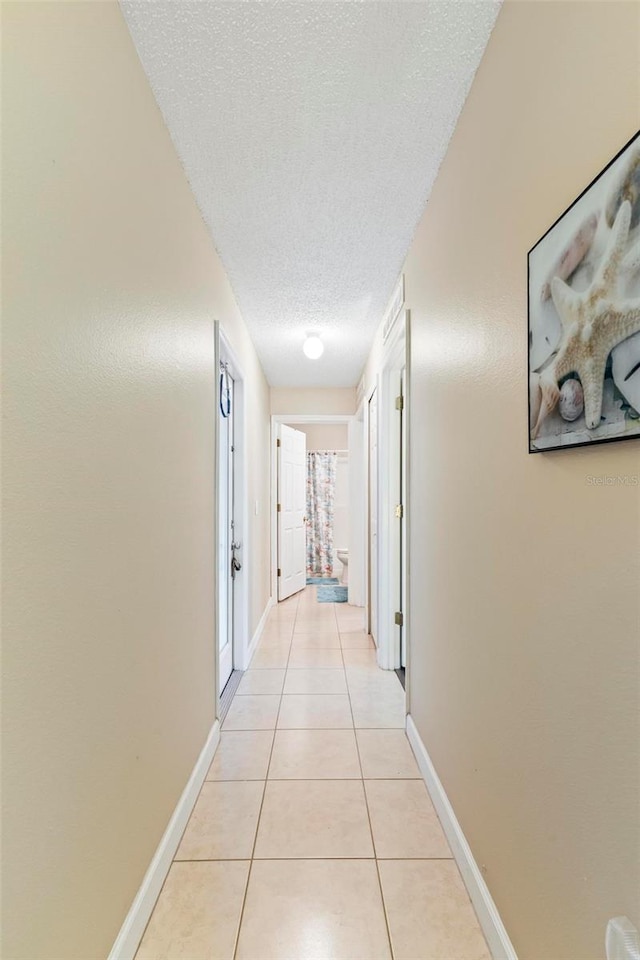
(313,347)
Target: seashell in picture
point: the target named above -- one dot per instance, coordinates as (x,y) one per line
(625,361)
(626,186)
(571,402)
(545,333)
(625,358)
(535,398)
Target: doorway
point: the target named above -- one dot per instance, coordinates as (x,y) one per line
(392,456)
(321,432)
(372,544)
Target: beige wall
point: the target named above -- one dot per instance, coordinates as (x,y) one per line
(525,606)
(313,400)
(111,288)
(325,436)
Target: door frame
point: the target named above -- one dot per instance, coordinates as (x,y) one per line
(357,510)
(371,595)
(396,356)
(292,419)
(226,533)
(224,352)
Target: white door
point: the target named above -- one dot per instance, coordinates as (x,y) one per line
(373,516)
(397,495)
(395,509)
(225,530)
(292,498)
(402,559)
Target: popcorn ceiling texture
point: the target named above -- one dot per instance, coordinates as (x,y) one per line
(311,134)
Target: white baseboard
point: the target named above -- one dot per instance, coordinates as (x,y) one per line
(492,926)
(255,640)
(128,940)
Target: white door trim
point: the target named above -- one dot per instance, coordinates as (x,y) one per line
(225,598)
(371,596)
(241,639)
(312,418)
(407,506)
(357,508)
(394,359)
(276,420)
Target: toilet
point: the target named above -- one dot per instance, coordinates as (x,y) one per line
(343,557)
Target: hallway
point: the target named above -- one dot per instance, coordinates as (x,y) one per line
(222,219)
(314,834)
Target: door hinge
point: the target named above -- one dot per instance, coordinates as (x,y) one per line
(278,508)
(399,619)
(399,511)
(279,572)
(278,442)
(400,402)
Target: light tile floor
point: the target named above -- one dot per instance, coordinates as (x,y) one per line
(314,837)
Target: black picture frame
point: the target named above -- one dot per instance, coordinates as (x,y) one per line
(585,223)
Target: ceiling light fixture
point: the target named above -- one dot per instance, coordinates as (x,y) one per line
(313,347)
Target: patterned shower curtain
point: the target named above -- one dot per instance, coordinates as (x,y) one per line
(321,486)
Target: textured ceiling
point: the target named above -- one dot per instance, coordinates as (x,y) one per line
(311,133)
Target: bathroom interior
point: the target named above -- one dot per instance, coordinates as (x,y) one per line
(333,438)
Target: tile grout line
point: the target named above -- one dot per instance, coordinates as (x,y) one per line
(325,729)
(264,792)
(366,803)
(295,859)
(323,780)
(293,694)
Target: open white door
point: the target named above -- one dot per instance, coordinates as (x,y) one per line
(373,516)
(292,498)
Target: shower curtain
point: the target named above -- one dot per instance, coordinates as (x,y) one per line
(321,485)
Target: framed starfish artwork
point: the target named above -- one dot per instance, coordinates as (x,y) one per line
(584,315)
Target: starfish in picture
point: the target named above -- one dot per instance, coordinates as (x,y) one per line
(593,323)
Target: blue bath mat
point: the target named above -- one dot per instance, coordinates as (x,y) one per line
(332,594)
(314,580)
